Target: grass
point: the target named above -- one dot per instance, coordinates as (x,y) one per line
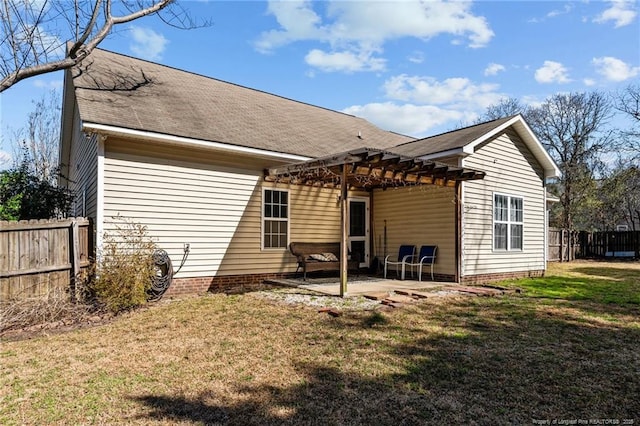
(615,282)
(553,351)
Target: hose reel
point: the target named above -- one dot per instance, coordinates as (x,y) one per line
(163,277)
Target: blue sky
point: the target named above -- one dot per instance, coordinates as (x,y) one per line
(418,68)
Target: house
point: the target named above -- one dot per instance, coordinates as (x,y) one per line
(236,174)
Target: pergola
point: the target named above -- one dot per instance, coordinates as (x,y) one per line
(366,169)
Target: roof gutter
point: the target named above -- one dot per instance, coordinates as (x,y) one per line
(187,142)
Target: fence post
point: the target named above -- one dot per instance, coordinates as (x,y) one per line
(75,258)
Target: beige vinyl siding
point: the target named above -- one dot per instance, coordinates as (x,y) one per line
(512,170)
(214,203)
(422,215)
(83,171)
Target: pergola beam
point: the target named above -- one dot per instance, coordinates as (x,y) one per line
(368,168)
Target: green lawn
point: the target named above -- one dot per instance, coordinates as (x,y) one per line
(567,348)
(615,282)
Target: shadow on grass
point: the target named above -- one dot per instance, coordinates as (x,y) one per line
(617,273)
(498,361)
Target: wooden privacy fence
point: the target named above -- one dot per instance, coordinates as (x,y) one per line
(560,248)
(38,257)
(613,244)
(605,244)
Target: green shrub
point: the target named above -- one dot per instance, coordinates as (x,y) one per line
(25,195)
(125,266)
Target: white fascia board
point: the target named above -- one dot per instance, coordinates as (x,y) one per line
(551,169)
(471,146)
(189,142)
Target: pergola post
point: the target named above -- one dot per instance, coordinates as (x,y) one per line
(344,222)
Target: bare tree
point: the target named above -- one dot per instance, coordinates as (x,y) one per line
(620,195)
(628,102)
(572,128)
(37,142)
(505,108)
(34,33)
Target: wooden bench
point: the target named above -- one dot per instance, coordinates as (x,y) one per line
(303,251)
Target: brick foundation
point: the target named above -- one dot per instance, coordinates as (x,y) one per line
(221,284)
(489,278)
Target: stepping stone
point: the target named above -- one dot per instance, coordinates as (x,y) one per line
(398,298)
(421,294)
(413,293)
(391,304)
(331,311)
(376,296)
(479,291)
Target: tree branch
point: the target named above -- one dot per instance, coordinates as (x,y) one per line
(79,49)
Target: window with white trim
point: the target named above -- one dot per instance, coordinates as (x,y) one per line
(275,219)
(507,222)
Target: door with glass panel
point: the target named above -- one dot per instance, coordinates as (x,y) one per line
(359,229)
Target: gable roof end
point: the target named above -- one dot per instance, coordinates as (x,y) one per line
(464,141)
(549,166)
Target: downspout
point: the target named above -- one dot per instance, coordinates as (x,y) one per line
(546,226)
(99,226)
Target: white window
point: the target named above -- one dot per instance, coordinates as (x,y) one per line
(275,219)
(507,222)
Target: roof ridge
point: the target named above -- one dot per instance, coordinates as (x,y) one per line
(245,87)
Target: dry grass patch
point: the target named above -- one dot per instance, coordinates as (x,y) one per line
(245,360)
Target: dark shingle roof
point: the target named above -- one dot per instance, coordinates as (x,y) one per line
(455,139)
(117,90)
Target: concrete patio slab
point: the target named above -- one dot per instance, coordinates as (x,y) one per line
(358,286)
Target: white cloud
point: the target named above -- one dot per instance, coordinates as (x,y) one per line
(380,21)
(621,12)
(44,84)
(552,72)
(557,12)
(408,119)
(298,22)
(347,26)
(459,92)
(344,61)
(416,57)
(613,69)
(493,69)
(589,82)
(147,44)
(532,101)
(553,14)
(418,104)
